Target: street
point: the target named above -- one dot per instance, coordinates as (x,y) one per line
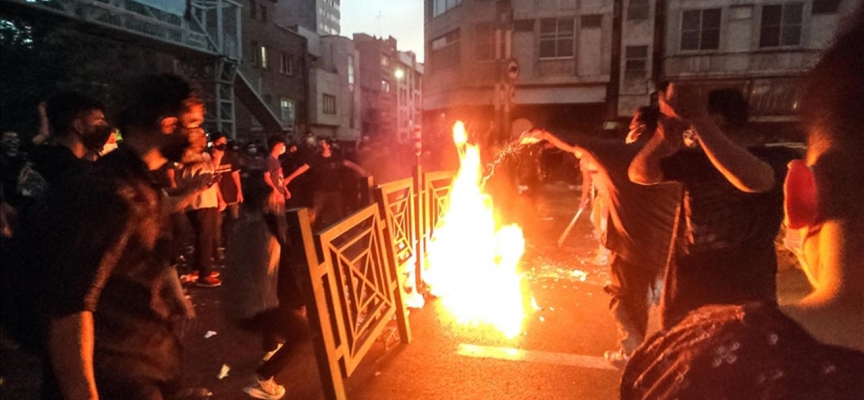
(558,355)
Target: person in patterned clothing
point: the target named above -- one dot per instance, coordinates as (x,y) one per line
(814,348)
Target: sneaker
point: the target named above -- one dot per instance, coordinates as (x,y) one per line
(210,281)
(189,278)
(617,358)
(265,389)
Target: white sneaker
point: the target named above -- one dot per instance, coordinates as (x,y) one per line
(266,390)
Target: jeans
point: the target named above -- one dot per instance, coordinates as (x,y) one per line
(631,289)
(205,223)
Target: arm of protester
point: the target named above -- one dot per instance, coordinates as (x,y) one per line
(268,179)
(70,345)
(235,175)
(358,169)
(743,170)
(221,201)
(44,127)
(297,172)
(540,135)
(86,228)
(646,167)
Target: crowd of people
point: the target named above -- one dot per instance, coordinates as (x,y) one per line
(92,239)
(93,222)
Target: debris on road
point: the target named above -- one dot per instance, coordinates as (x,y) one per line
(209,334)
(224,371)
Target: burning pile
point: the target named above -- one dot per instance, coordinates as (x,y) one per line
(472,259)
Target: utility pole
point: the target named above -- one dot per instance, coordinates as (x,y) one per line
(612,92)
(503,99)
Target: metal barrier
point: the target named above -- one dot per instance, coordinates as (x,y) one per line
(353,288)
(352,291)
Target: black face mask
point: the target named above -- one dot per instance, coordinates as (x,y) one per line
(174,146)
(221,147)
(95,139)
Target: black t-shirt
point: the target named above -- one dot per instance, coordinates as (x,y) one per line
(229,164)
(724,250)
(743,352)
(103,250)
(326,172)
(56,163)
(641,217)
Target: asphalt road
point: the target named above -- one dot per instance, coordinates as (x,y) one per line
(558,355)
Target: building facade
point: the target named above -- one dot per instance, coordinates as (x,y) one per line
(408,77)
(334,97)
(272,83)
(761,46)
(321,16)
(571,65)
(378,59)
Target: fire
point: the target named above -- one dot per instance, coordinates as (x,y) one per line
(472,258)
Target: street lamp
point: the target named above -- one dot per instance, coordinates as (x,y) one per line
(399,74)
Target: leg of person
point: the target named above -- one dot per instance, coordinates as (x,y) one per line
(265,387)
(229,219)
(206,243)
(629,306)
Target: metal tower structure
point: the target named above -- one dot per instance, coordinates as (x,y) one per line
(206,41)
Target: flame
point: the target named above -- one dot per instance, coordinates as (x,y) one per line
(472,259)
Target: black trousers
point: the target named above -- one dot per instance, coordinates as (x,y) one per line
(630,290)
(205,223)
(227,220)
(327,208)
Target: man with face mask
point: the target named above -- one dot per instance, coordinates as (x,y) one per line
(78,128)
(107,328)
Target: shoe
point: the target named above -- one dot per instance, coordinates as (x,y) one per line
(193,276)
(617,358)
(210,281)
(265,389)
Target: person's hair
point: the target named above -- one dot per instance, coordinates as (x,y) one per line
(730,104)
(648,116)
(216,136)
(151,98)
(272,141)
(831,113)
(65,107)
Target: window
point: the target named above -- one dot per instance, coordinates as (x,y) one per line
(286,66)
(636,62)
(700,29)
(263,13)
(287,111)
(263,57)
(825,6)
(484,41)
(556,37)
(253,10)
(441,6)
(385,86)
(329,104)
(446,50)
(255,53)
(638,10)
(351,72)
(385,61)
(781,25)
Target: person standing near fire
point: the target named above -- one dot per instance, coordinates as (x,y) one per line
(328,204)
(638,230)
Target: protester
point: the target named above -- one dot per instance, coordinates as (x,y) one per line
(813,348)
(638,231)
(724,250)
(228,167)
(203,213)
(327,169)
(103,261)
